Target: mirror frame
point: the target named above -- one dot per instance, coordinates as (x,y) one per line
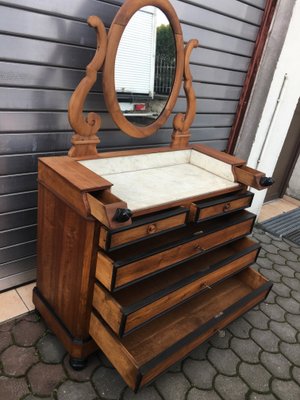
(114,36)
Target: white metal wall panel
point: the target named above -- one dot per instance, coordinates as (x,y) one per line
(44,49)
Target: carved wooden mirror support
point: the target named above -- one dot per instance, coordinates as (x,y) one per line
(85,138)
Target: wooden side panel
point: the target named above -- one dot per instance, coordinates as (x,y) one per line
(166,258)
(66,261)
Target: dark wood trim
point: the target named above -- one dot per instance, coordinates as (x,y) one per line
(251,74)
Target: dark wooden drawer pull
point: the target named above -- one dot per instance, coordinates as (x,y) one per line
(151,229)
(227,207)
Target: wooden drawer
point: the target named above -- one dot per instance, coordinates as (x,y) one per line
(144,354)
(204,210)
(132,263)
(133,306)
(142,228)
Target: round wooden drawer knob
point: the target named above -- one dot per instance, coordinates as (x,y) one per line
(152,229)
(226,207)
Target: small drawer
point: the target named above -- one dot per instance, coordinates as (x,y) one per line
(147,352)
(143,228)
(132,307)
(204,210)
(122,267)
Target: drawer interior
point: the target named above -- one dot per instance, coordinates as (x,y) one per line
(142,355)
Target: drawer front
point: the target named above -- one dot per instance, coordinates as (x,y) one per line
(122,319)
(143,228)
(209,209)
(147,352)
(114,275)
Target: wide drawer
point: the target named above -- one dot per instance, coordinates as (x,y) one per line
(204,210)
(132,263)
(144,354)
(143,228)
(133,306)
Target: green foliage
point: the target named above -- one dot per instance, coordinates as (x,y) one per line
(165,44)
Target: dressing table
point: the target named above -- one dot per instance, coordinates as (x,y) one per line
(143,253)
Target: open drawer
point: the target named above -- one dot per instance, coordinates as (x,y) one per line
(144,354)
(132,263)
(207,209)
(135,305)
(142,228)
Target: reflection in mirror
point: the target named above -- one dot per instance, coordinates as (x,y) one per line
(145,66)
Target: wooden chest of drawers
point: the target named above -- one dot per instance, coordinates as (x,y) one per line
(148,290)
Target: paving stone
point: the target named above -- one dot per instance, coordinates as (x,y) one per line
(12,388)
(271,274)
(270,248)
(258,396)
(196,394)
(240,328)
(256,376)
(51,349)
(265,339)
(5,340)
(271,298)
(146,393)
(16,360)
(276,258)
(44,378)
(273,311)
(172,386)
(286,390)
(292,352)
(295,250)
(281,289)
(262,252)
(295,295)
(294,320)
(225,361)
(265,263)
(294,264)
(293,283)
(76,391)
(221,342)
(104,360)
(284,270)
(27,333)
(290,305)
(200,373)
(232,388)
(276,364)
(32,397)
(262,237)
(7,326)
(200,352)
(86,373)
(108,383)
(285,331)
(280,244)
(296,374)
(297,275)
(288,255)
(246,349)
(257,319)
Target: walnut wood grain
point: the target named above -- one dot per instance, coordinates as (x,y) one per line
(249,177)
(144,351)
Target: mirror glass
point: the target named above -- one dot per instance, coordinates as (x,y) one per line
(145,66)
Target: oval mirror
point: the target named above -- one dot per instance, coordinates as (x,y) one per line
(144,66)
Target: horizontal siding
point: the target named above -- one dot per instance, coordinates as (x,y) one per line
(44,49)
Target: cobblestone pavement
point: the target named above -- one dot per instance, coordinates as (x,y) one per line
(258,358)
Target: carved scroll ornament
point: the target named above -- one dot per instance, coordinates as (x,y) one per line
(182,122)
(85,138)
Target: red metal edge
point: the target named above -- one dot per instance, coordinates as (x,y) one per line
(251,74)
